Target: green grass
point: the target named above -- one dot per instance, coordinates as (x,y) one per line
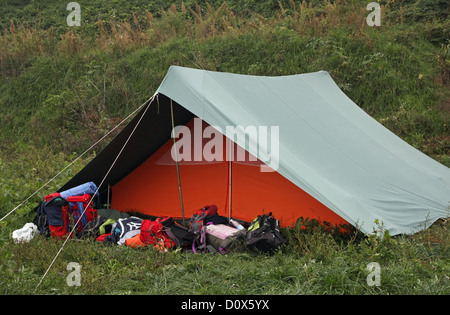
(61,89)
(315,262)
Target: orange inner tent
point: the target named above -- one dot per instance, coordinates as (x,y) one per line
(153,187)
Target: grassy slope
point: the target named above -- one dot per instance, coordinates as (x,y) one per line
(60,90)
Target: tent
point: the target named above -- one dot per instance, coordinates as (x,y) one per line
(333,162)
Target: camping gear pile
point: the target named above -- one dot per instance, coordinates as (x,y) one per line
(73,213)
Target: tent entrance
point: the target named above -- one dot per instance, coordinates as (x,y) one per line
(237,186)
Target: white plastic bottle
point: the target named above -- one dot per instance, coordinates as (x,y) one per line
(237,225)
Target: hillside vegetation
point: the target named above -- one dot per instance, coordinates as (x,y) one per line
(62,88)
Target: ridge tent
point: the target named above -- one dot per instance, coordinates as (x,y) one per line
(334,163)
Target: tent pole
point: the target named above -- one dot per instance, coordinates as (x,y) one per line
(230,145)
(176,162)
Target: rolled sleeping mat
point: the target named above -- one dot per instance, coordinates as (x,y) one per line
(87,188)
(80,190)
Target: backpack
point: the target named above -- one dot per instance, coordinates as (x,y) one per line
(179,234)
(264,234)
(221,237)
(221,231)
(197,220)
(152,233)
(52,216)
(82,211)
(56,216)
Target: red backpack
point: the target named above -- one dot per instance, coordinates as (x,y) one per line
(81,209)
(52,216)
(197,219)
(56,216)
(152,233)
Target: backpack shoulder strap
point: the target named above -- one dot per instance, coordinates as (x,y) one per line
(172,236)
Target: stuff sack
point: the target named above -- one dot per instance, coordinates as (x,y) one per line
(197,220)
(134,242)
(264,234)
(52,216)
(152,233)
(179,234)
